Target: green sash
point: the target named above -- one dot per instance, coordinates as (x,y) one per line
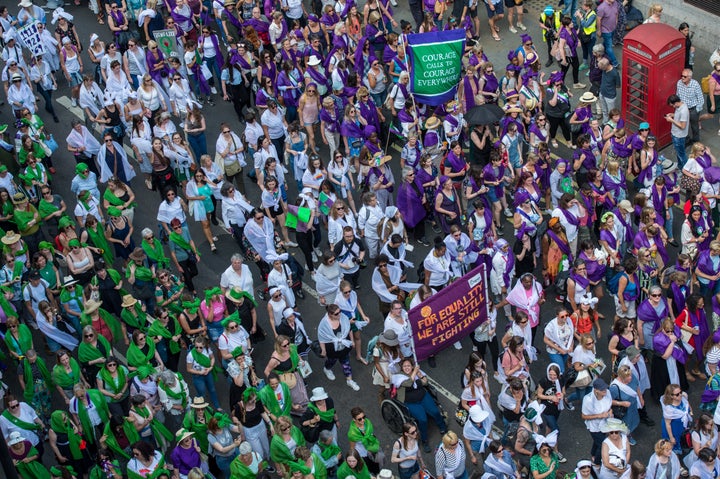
(143,273)
(112,323)
(98,400)
(159,469)
(46,208)
(175,395)
(294,360)
(61,423)
(27,426)
(269,400)
(319,466)
(137,320)
(64,379)
(135,356)
(114,200)
(109,381)
(161,433)
(198,428)
(22,218)
(111,442)
(155,252)
(279,451)
(238,470)
(29,392)
(345,471)
(87,352)
(158,329)
(329,450)
(180,241)
(72,293)
(367,438)
(97,472)
(98,239)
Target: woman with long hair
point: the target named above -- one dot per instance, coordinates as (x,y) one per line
(200,198)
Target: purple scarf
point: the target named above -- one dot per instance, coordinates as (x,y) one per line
(329,20)
(369,112)
(218,52)
(580,280)
(661,341)
(409,202)
(290,95)
(118,19)
(290,56)
(595,270)
(372,147)
(658,199)
(331,124)
(571,218)
(647,173)
(562,244)
(388,54)
(614,186)
(698,320)
(468,95)
(456,163)
(351,129)
(378,173)
(509,265)
(704,160)
(360,56)
(679,294)
(259,25)
(642,240)
(538,132)
(600,190)
(152,61)
(490,86)
(609,238)
(318,77)
(270,71)
(489,175)
(647,313)
(705,265)
(405,117)
(348,6)
(629,230)
(200,79)
(233,20)
(623,149)
(181,19)
(237,59)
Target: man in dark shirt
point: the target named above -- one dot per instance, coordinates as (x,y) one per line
(609,85)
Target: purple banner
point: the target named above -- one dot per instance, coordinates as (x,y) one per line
(435,65)
(450,315)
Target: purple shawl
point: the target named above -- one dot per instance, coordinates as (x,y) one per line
(658,201)
(698,319)
(489,175)
(647,173)
(270,71)
(290,56)
(318,77)
(642,240)
(218,52)
(119,19)
(595,270)
(613,186)
(289,95)
(629,230)
(468,96)
(152,61)
(600,190)
(580,280)
(509,265)
(704,160)
(199,78)
(661,341)
(456,163)
(368,110)
(646,313)
(409,202)
(533,128)
(609,238)
(181,19)
(331,124)
(623,149)
(705,265)
(679,293)
(260,26)
(388,54)
(490,86)
(583,113)
(348,6)
(589,162)
(351,129)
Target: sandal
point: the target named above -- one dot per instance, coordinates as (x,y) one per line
(554,144)
(101,21)
(498,39)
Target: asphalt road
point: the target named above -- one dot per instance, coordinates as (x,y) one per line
(574,441)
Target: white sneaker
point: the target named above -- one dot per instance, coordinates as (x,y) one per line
(521,26)
(73,101)
(317,251)
(314,257)
(457,345)
(330,375)
(353,385)
(513,29)
(393,3)
(213,90)
(291,244)
(508,213)
(285,170)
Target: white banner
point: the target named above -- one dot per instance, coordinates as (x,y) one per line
(29,37)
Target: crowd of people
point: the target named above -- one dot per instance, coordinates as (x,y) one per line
(105,324)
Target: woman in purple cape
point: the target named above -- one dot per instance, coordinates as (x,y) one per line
(668,364)
(411,203)
(692,320)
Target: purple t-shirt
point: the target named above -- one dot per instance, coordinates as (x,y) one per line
(608,14)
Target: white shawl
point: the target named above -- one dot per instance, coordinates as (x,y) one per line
(381,288)
(627,390)
(642,377)
(499,466)
(683,413)
(526,334)
(83,138)
(552,332)
(51,331)
(326,334)
(326,286)
(142,140)
(117,87)
(401,255)
(91,99)
(262,238)
(105,172)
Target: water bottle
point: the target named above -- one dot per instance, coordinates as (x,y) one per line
(691,59)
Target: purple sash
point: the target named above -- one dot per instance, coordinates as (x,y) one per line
(351,129)
(152,61)
(331,124)
(259,25)
(378,173)
(698,320)
(181,19)
(595,271)
(348,6)
(118,19)
(658,199)
(218,52)
(704,160)
(489,175)
(318,77)
(200,79)
(629,230)
(369,112)
(571,218)
(490,86)
(678,296)
(509,265)
(270,71)
(388,54)
(290,56)
(646,173)
(563,245)
(623,149)
(600,190)
(456,163)
(290,95)
(233,19)
(538,132)
(237,59)
(580,280)
(647,313)
(609,237)
(705,265)
(661,341)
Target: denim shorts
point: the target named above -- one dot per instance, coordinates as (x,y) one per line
(408,472)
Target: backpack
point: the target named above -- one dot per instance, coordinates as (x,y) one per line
(612,285)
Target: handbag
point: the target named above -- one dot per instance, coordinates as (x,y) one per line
(45,148)
(233,169)
(619,411)
(315,348)
(289,378)
(51,143)
(584,378)
(690,184)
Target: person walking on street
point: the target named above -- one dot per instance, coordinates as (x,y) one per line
(607,19)
(680,127)
(691,95)
(609,85)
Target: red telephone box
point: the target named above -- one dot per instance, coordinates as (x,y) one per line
(653,60)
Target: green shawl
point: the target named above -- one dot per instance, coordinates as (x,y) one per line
(109,381)
(172,394)
(87,352)
(110,441)
(46,208)
(279,452)
(143,273)
(112,323)
(200,429)
(137,320)
(22,218)
(294,360)
(72,293)
(97,238)
(33,469)
(180,241)
(320,471)
(135,356)
(62,378)
(155,252)
(238,470)
(345,471)
(98,400)
(19,423)
(114,200)
(269,400)
(61,423)
(29,392)
(23,342)
(325,416)
(158,329)
(328,450)
(367,438)
(163,436)
(204,361)
(7,307)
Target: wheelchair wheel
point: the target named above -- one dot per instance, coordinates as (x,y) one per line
(393,415)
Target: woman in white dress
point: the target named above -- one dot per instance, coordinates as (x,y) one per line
(141,142)
(615,450)
(338,218)
(338,173)
(90,98)
(275,307)
(117,86)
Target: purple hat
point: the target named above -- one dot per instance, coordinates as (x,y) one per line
(521,196)
(525,38)
(369,130)
(556,77)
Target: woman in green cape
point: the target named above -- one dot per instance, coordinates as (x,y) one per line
(66,374)
(103,322)
(142,352)
(27,220)
(93,351)
(113,381)
(166,333)
(51,208)
(153,248)
(120,430)
(312,462)
(361,431)
(149,428)
(133,315)
(247,464)
(97,241)
(26,458)
(282,446)
(37,384)
(67,442)
(90,410)
(72,301)
(353,466)
(18,338)
(196,420)
(269,397)
(106,467)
